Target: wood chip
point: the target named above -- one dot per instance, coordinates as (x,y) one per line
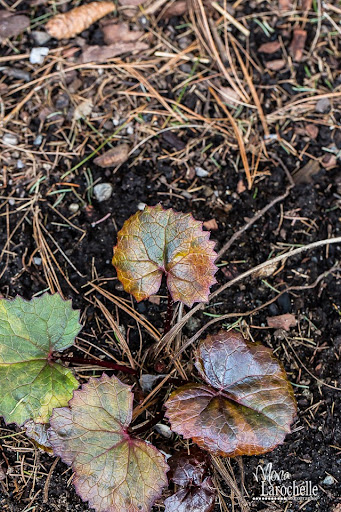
(211,225)
(71,23)
(305,174)
(12,24)
(113,157)
(119,32)
(282,321)
(311,130)
(276,65)
(285,5)
(271,47)
(297,44)
(103,53)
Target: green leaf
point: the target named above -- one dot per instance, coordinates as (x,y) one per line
(247,405)
(156,242)
(113,471)
(31,385)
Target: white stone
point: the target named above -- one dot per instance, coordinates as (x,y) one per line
(38,54)
(200,172)
(103,191)
(9,138)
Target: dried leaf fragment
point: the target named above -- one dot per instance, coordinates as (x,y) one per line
(12,24)
(154,242)
(119,32)
(282,321)
(115,156)
(71,23)
(269,48)
(297,44)
(275,65)
(104,53)
(113,471)
(246,408)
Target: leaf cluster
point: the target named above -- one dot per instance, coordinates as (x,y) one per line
(241,404)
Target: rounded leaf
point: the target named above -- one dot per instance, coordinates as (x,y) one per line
(248,406)
(30,331)
(113,472)
(156,242)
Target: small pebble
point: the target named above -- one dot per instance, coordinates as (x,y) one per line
(284,303)
(322,106)
(20,164)
(74,207)
(130,130)
(200,172)
(37,260)
(141,206)
(329,480)
(38,140)
(8,138)
(103,191)
(40,37)
(163,430)
(37,55)
(11,201)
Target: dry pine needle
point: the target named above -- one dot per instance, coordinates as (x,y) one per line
(71,23)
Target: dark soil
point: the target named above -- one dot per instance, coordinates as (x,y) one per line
(311,212)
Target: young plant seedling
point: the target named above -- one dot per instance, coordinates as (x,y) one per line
(196,491)
(246,406)
(113,471)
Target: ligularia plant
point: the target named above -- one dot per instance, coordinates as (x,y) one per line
(242,403)
(157,242)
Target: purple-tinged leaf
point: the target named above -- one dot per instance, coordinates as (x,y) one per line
(246,408)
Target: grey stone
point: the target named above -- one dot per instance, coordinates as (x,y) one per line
(322,106)
(9,138)
(40,37)
(103,191)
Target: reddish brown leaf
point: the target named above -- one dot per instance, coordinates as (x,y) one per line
(248,406)
(282,321)
(276,65)
(119,32)
(113,157)
(191,473)
(271,47)
(71,23)
(103,53)
(12,24)
(297,44)
(154,242)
